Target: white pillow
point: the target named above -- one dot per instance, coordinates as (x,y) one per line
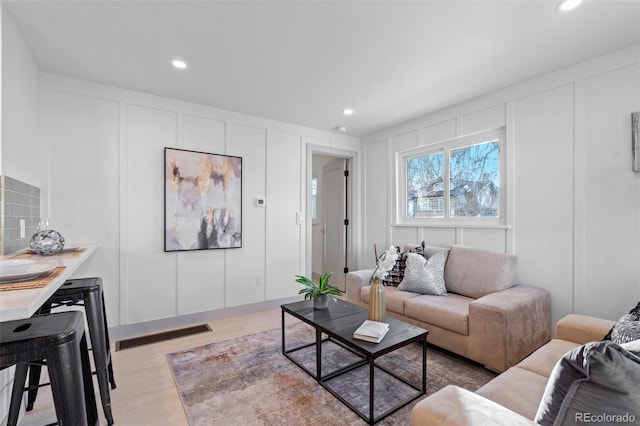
(424,276)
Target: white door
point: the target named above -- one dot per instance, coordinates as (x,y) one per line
(335,228)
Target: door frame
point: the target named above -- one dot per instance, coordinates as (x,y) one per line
(353,200)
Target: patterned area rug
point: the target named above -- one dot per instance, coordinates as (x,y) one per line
(247,381)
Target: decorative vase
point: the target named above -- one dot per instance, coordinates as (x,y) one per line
(47,242)
(321,302)
(377,301)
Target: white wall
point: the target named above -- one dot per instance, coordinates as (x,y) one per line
(573,201)
(19,156)
(106,184)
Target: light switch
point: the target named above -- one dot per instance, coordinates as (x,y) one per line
(22,228)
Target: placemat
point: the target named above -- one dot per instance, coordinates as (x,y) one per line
(27,255)
(34,283)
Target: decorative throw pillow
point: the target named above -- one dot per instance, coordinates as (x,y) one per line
(395,275)
(424,276)
(598,382)
(627,328)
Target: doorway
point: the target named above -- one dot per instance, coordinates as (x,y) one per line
(330,214)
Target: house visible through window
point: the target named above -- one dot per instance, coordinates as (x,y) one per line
(459,178)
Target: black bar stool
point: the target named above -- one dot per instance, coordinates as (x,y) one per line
(60,339)
(85,292)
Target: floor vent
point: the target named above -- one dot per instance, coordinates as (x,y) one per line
(161,337)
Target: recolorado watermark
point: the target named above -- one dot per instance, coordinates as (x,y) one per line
(601,418)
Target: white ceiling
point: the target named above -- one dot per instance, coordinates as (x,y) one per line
(302,62)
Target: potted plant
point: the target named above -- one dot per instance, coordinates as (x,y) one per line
(318,292)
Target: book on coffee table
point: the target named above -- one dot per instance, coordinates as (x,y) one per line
(371,331)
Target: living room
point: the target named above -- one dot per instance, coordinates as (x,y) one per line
(95,150)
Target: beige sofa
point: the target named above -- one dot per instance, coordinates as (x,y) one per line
(485,316)
(513,397)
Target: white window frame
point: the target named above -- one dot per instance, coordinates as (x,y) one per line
(446,146)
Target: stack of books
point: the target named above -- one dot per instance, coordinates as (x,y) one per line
(371,331)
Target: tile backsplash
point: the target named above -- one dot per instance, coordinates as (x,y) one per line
(19,202)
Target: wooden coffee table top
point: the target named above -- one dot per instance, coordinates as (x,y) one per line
(336,309)
(400,334)
(342,318)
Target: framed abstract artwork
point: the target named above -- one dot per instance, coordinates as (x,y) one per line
(202,200)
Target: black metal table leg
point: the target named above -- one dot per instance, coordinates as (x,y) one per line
(424,365)
(318,355)
(282,324)
(371,390)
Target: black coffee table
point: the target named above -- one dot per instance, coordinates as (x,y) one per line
(338,323)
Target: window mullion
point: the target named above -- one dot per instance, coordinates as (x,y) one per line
(446,193)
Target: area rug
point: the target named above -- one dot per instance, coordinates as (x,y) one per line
(248,381)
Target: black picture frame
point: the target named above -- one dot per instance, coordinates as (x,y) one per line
(202,200)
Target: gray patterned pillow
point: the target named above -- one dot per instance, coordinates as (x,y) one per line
(627,328)
(424,276)
(597,379)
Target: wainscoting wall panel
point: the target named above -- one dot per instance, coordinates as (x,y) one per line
(151,273)
(284,184)
(376,199)
(488,118)
(612,204)
(82,192)
(440,131)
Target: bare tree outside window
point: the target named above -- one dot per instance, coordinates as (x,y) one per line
(425,178)
(474,180)
(472,185)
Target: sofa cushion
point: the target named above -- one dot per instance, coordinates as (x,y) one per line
(424,276)
(595,379)
(517,389)
(450,313)
(394,298)
(546,357)
(475,272)
(455,406)
(582,329)
(431,250)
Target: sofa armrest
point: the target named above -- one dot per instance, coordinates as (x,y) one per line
(582,329)
(455,406)
(355,281)
(508,325)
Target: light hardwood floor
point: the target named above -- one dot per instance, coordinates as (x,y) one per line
(146,393)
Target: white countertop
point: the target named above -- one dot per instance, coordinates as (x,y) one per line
(16,304)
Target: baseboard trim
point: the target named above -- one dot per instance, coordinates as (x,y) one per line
(128,331)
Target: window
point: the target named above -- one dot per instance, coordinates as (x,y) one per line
(456,180)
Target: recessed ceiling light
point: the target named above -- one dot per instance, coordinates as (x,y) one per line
(179,64)
(340,129)
(347,111)
(569,4)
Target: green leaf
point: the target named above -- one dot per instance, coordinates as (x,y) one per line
(312,289)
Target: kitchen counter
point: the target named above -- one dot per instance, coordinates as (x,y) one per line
(16,304)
